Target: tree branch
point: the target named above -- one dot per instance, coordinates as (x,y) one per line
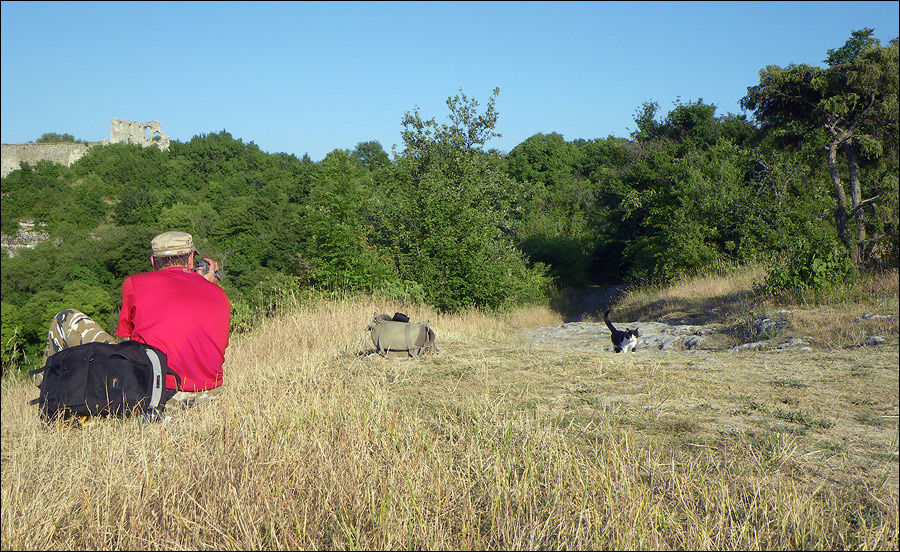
(876,237)
(863,204)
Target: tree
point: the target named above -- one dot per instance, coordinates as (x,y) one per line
(54,137)
(554,228)
(854,100)
(445,215)
(370,155)
(679,198)
(334,250)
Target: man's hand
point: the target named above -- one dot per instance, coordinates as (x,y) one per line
(210,274)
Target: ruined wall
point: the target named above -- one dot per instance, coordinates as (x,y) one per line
(147,133)
(12,155)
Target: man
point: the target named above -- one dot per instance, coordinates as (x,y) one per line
(175,308)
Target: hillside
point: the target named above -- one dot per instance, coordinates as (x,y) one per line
(495,442)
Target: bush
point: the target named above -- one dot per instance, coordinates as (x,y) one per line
(13,356)
(809,268)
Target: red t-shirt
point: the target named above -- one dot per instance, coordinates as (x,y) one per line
(184,315)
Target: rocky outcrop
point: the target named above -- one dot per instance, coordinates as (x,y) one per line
(654,336)
(26,238)
(668,337)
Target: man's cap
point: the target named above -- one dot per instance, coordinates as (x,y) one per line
(168,244)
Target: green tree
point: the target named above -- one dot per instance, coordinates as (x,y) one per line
(554,227)
(445,215)
(335,251)
(854,101)
(11,339)
(40,309)
(681,197)
(54,137)
(370,155)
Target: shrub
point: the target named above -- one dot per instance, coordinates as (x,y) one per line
(11,338)
(808,268)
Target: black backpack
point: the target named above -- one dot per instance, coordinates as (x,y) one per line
(97,379)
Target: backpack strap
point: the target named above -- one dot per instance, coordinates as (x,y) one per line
(408,341)
(176,374)
(381,350)
(38,370)
(159,380)
(35,372)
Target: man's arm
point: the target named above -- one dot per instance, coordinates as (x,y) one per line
(126,323)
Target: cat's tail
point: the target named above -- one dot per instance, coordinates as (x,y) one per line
(608,323)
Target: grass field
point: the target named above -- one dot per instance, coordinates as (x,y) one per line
(490,443)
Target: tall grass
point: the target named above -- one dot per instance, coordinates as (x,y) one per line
(835,318)
(721,293)
(316,444)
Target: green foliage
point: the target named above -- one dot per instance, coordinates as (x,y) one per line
(272,292)
(444,212)
(564,244)
(404,291)
(122,168)
(9,225)
(808,268)
(335,251)
(194,218)
(852,104)
(553,227)
(685,193)
(452,223)
(859,41)
(36,192)
(54,137)
(11,340)
(40,309)
(370,155)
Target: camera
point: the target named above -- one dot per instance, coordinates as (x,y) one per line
(201,266)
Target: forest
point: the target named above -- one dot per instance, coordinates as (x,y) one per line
(805,181)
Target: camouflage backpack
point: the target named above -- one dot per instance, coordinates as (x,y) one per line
(400,336)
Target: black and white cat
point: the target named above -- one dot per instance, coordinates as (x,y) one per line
(623,342)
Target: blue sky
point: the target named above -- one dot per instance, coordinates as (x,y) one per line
(311,77)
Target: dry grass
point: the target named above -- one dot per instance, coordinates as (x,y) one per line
(843,318)
(870,307)
(714,297)
(488,444)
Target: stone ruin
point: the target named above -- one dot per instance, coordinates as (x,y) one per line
(146,133)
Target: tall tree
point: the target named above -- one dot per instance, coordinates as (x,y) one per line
(853,100)
(370,154)
(445,214)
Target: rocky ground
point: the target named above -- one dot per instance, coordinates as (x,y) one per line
(670,333)
(26,238)
(657,336)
